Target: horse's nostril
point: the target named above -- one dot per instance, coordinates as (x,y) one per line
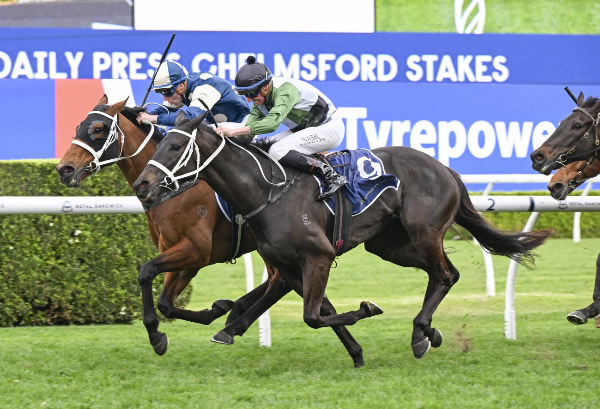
(556,187)
(538,157)
(66,170)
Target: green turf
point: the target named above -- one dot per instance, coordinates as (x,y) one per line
(552,364)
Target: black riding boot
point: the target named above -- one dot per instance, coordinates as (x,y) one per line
(313,165)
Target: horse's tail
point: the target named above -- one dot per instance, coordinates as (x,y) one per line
(517,246)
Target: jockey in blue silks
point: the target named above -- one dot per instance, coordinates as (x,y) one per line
(193,94)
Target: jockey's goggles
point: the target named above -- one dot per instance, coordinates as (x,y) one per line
(251,93)
(167,92)
(253,90)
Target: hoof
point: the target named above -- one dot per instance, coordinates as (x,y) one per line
(577,318)
(359,363)
(222,338)
(421,348)
(370,308)
(436,338)
(160,343)
(222,306)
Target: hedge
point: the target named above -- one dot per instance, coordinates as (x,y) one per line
(82,269)
(70,269)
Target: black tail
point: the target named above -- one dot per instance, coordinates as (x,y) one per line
(517,246)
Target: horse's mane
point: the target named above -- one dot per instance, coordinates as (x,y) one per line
(589,102)
(199,123)
(131,114)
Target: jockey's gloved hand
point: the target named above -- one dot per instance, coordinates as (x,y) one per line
(263,143)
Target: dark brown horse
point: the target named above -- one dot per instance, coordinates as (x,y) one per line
(189,229)
(404,226)
(577,137)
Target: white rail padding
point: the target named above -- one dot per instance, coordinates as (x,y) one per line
(69,204)
(130,204)
(511,178)
(536,204)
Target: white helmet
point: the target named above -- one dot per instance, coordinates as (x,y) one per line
(169,75)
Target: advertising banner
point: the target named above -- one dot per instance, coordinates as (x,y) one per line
(478,103)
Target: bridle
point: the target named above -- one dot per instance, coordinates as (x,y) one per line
(574,182)
(112,137)
(570,155)
(192,149)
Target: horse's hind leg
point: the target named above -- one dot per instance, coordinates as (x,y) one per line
(424,249)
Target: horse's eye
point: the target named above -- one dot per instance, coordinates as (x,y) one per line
(175,147)
(97,130)
(577,126)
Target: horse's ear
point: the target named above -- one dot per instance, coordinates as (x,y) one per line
(120,105)
(580,99)
(181,118)
(103,100)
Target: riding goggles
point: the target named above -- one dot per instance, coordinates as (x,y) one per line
(250,93)
(167,92)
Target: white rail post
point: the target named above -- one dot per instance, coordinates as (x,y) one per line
(577,216)
(510,321)
(490,278)
(264,321)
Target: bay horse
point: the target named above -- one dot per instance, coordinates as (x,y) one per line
(575,138)
(405,226)
(562,183)
(569,177)
(188,229)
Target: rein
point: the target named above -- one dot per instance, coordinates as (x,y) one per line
(192,148)
(113,136)
(570,155)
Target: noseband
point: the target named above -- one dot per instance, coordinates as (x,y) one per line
(113,136)
(570,155)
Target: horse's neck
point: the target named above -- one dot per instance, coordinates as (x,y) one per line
(236,177)
(131,167)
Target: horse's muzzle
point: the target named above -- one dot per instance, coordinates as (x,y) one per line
(146,191)
(68,176)
(541,163)
(559,190)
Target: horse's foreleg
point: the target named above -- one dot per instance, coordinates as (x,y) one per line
(582,315)
(239,326)
(353,347)
(314,281)
(159,340)
(174,284)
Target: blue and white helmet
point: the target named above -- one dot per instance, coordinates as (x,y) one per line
(169,75)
